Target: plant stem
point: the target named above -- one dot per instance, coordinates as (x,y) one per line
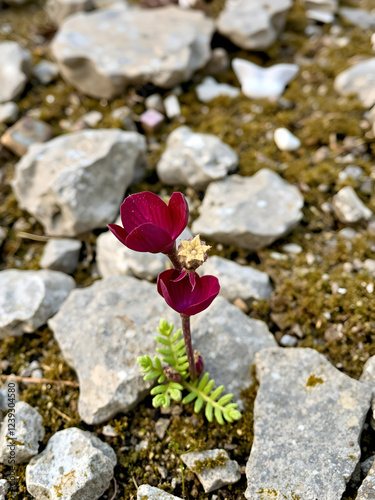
(173,257)
(189,350)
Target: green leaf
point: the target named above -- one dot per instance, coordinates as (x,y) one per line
(219,415)
(166,402)
(159,389)
(162,341)
(169,360)
(179,345)
(175,394)
(158,400)
(164,351)
(162,379)
(225,399)
(209,412)
(176,385)
(189,398)
(217,392)
(183,367)
(176,336)
(235,414)
(198,405)
(145,362)
(158,363)
(151,375)
(209,387)
(203,381)
(182,359)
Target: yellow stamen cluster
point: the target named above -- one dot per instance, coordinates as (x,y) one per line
(193,253)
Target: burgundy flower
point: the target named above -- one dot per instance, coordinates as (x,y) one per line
(180,296)
(149,224)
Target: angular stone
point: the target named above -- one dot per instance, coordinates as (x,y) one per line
(103,344)
(103,52)
(253,24)
(237,281)
(29,431)
(29,298)
(285,140)
(368,377)
(24,133)
(359,17)
(194,159)
(172,107)
(308,419)
(61,254)
(46,72)
(75,464)
(58,10)
(210,89)
(249,212)
(358,80)
(8,112)
(213,478)
(322,16)
(218,63)
(76,182)
(146,492)
(367,489)
(4,487)
(323,5)
(15,68)
(228,341)
(155,101)
(348,208)
(151,120)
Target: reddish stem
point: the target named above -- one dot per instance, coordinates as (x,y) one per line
(189,350)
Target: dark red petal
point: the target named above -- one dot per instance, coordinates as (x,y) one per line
(181,277)
(119,232)
(141,208)
(192,280)
(164,278)
(149,238)
(179,212)
(205,291)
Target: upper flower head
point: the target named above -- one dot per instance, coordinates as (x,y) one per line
(192,253)
(149,224)
(180,296)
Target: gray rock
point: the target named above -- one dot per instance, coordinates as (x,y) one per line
(368,377)
(194,159)
(15,68)
(210,89)
(237,281)
(367,489)
(249,212)
(103,52)
(218,63)
(29,298)
(4,487)
(213,478)
(24,133)
(228,341)
(102,345)
(288,341)
(76,182)
(46,72)
(308,419)
(8,394)
(146,492)
(322,16)
(61,254)
(253,24)
(22,443)
(161,427)
(92,118)
(58,10)
(155,101)
(3,234)
(322,5)
(359,17)
(348,208)
(367,464)
(358,80)
(8,112)
(75,464)
(172,107)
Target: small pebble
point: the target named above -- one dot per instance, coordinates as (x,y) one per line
(285,140)
(8,112)
(288,341)
(152,120)
(155,101)
(27,131)
(292,248)
(172,107)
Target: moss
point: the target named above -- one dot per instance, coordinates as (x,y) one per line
(312,381)
(210,463)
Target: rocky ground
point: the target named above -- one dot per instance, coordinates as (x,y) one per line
(265,120)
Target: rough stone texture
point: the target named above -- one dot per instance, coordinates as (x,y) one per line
(213,478)
(29,431)
(210,89)
(348,208)
(249,212)
(146,492)
(368,377)
(76,182)
(61,254)
(114,48)
(367,488)
(74,465)
(58,10)
(24,133)
(228,341)
(8,112)
(29,298)
(15,68)
(253,24)
(359,17)
(4,487)
(323,5)
(308,418)
(6,395)
(119,323)
(195,160)
(237,281)
(46,72)
(358,80)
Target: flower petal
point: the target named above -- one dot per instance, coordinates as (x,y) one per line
(141,208)
(119,232)
(179,213)
(149,238)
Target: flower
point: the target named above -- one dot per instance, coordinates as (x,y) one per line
(149,224)
(180,296)
(192,253)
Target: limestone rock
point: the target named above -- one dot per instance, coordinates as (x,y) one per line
(228,341)
(29,298)
(28,432)
(358,17)
(103,52)
(102,345)
(172,106)
(194,159)
(4,487)
(46,72)
(76,182)
(249,212)
(348,208)
(8,112)
(358,80)
(285,140)
(323,5)
(367,489)
(237,281)
(61,254)
(15,68)
(308,418)
(368,377)
(75,464)
(213,478)
(218,63)
(146,492)
(210,89)
(24,133)
(58,10)
(253,24)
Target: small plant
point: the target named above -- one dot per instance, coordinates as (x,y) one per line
(149,225)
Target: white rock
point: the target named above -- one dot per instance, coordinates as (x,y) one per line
(237,281)
(29,298)
(359,17)
(257,82)
(172,107)
(321,16)
(285,140)
(253,24)
(4,487)
(76,182)
(103,52)
(75,464)
(348,208)
(15,68)
(367,489)
(292,248)
(195,160)
(146,492)
(92,118)
(288,341)
(322,5)
(8,112)
(46,72)
(58,10)
(210,89)
(358,80)
(28,432)
(61,254)
(155,101)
